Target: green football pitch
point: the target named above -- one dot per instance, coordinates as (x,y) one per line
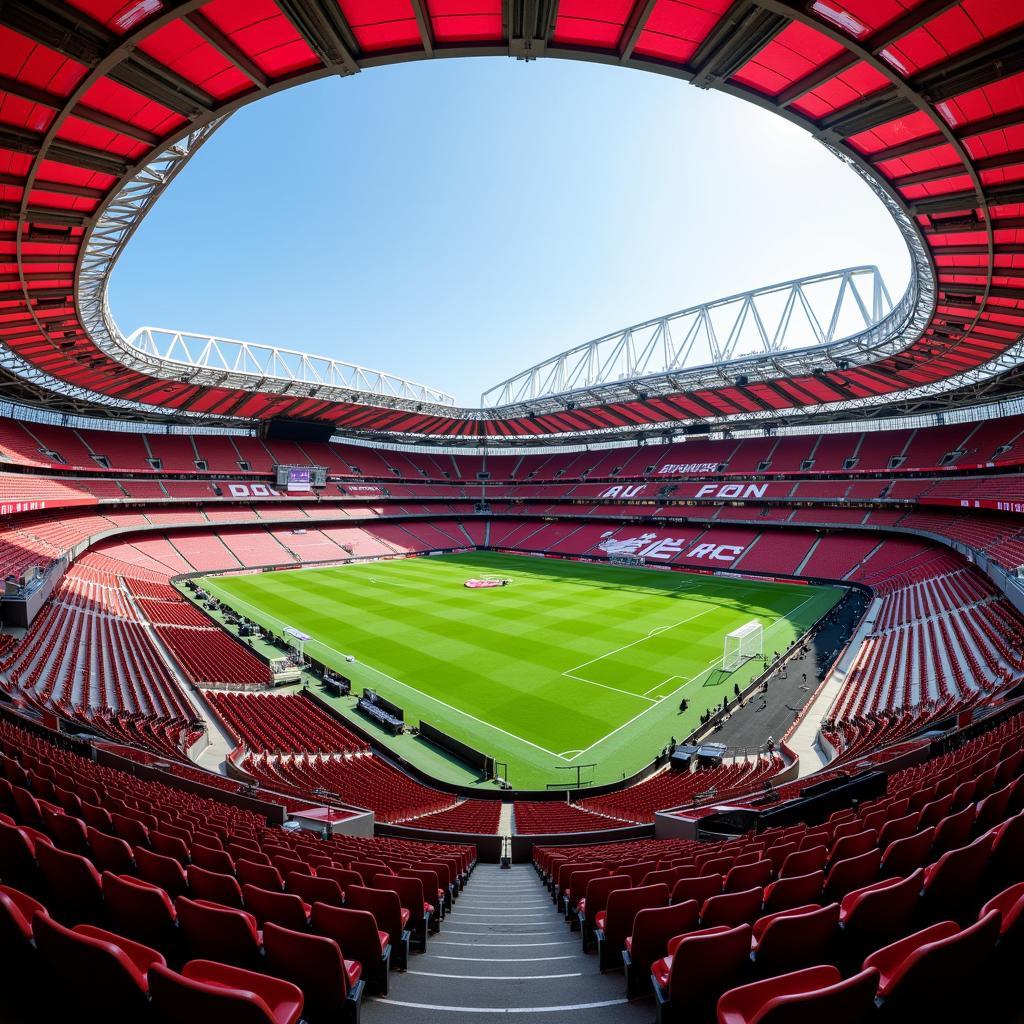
(573,664)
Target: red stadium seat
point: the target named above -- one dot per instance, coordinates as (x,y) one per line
(102,973)
(209,931)
(731,909)
(652,928)
(357,934)
(206,991)
(17,910)
(282,908)
(73,884)
(699,967)
(804,997)
(795,938)
(140,910)
(332,986)
(930,968)
(796,891)
(615,923)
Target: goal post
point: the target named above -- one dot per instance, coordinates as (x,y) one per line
(742,644)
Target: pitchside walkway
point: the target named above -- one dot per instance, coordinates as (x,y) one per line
(505,949)
(804,741)
(772,714)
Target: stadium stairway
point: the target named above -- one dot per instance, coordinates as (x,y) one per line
(506,949)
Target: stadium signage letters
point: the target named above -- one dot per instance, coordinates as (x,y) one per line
(717,552)
(624,491)
(651,546)
(237,490)
(10,508)
(732,491)
(996,504)
(681,469)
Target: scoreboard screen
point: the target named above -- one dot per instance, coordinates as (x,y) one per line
(300,479)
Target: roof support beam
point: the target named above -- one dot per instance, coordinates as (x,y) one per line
(744,30)
(56,187)
(997,58)
(223,44)
(20,140)
(323,27)
(638,18)
(963,201)
(885,36)
(59,27)
(14,87)
(836,66)
(530,27)
(868,113)
(907,22)
(989,124)
(52,101)
(151,79)
(987,163)
(426,28)
(115,125)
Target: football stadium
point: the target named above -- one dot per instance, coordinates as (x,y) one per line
(680,677)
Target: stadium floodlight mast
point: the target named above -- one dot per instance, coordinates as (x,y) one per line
(742,644)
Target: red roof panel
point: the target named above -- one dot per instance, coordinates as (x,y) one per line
(921,161)
(86,133)
(119,16)
(263,33)
(995,98)
(465,21)
(179,47)
(793,54)
(382,24)
(35,65)
(968,24)
(592,22)
(847,87)
(893,133)
(675,29)
(126,105)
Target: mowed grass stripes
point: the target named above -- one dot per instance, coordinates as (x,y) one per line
(573,663)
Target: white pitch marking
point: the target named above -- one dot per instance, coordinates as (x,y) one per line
(505,959)
(501,945)
(562,757)
(452,931)
(504,914)
(507,1009)
(495,977)
(605,686)
(786,614)
(407,686)
(639,640)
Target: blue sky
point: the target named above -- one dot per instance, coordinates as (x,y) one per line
(457,221)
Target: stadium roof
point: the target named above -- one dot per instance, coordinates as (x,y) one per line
(102,101)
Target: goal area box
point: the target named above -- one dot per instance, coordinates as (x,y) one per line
(742,644)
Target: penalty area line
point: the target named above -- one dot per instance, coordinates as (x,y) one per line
(604,686)
(408,686)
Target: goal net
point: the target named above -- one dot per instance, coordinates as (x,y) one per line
(742,644)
